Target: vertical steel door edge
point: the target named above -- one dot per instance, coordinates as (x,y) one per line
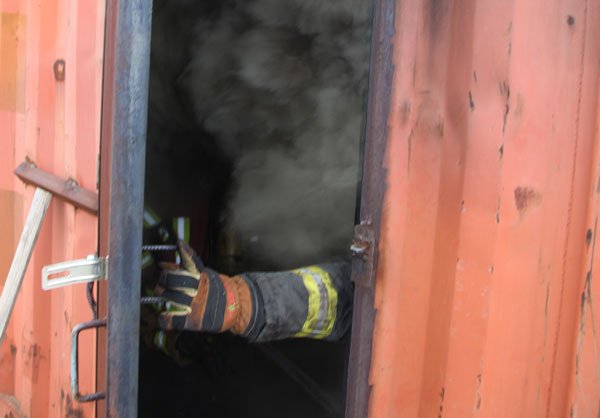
(124,116)
(364,267)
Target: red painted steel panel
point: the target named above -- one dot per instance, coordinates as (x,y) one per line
(486,282)
(55,124)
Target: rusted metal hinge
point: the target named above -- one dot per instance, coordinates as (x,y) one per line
(363,251)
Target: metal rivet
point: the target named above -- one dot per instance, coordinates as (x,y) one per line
(59,70)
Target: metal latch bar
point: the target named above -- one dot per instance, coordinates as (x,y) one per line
(67,273)
(75,361)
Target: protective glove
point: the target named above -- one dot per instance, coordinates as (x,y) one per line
(200,299)
(312,302)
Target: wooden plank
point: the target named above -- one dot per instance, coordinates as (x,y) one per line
(37,212)
(67,190)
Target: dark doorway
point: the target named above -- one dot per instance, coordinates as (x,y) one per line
(255,123)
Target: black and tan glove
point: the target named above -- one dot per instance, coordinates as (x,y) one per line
(312,302)
(200,299)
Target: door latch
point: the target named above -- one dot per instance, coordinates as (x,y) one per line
(90,269)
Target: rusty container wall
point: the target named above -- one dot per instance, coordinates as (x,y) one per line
(487,295)
(56,125)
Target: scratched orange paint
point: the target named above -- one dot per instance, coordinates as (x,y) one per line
(486,293)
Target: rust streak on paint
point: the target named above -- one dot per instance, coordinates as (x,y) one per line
(12,63)
(525,198)
(587,291)
(8,360)
(477,406)
(505,94)
(505,117)
(586,300)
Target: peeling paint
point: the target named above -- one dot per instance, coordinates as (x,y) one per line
(505,117)
(477,406)
(587,301)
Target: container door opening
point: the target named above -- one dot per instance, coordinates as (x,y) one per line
(256,116)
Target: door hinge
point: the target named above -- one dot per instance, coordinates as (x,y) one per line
(90,269)
(363,252)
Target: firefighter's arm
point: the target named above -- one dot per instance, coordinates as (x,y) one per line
(313,302)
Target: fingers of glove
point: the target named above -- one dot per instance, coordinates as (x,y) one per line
(190,260)
(176,300)
(181,280)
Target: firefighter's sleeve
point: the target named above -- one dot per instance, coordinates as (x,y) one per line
(311,302)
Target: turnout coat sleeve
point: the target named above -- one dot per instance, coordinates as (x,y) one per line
(312,302)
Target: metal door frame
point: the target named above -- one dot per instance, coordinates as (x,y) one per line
(364,267)
(123,143)
(122,162)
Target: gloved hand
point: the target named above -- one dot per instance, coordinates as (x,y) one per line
(200,299)
(312,302)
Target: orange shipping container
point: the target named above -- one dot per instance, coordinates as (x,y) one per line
(477,295)
(486,283)
(55,124)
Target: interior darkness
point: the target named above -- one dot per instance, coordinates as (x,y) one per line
(191,171)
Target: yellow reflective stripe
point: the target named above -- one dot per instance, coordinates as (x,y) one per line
(147,259)
(150,218)
(313,302)
(332,298)
(322,305)
(322,302)
(181,226)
